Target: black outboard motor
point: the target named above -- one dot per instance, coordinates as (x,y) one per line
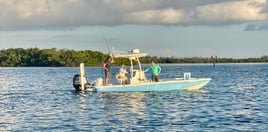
(77,85)
(76,82)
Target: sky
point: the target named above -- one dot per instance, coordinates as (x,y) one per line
(163,28)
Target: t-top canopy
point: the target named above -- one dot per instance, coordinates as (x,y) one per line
(133,54)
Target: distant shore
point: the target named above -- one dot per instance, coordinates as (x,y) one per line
(31,57)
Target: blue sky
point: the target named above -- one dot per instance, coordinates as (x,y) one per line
(181,28)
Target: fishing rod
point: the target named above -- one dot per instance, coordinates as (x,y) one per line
(106,43)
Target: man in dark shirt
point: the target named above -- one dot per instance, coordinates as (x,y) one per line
(107,67)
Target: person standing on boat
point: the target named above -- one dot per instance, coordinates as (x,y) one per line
(156,69)
(107,67)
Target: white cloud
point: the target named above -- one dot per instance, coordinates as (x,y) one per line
(166,16)
(31,14)
(230,12)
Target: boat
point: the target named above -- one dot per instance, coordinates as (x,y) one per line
(137,81)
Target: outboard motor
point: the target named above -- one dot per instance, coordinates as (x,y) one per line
(77,85)
(76,82)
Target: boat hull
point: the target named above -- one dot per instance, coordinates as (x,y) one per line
(178,84)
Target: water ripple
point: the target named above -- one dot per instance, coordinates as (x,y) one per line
(42,99)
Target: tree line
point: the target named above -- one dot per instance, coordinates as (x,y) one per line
(20,57)
(205,60)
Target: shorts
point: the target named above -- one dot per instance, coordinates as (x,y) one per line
(155,78)
(107,74)
(122,77)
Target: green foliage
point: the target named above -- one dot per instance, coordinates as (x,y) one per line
(19,57)
(49,57)
(202,60)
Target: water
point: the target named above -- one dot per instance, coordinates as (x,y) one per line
(43,99)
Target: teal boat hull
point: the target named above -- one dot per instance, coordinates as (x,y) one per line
(177,84)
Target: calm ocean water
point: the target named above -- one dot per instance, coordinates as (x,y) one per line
(43,99)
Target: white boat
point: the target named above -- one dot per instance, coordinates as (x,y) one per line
(137,81)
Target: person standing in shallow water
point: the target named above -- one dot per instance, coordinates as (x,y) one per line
(107,67)
(156,69)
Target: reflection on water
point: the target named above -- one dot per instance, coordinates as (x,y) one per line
(132,102)
(6,112)
(43,99)
(3,83)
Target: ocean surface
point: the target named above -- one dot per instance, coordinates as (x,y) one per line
(43,99)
